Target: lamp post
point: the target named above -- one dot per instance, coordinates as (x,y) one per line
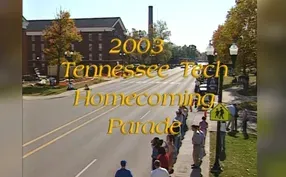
(122,56)
(233,51)
(210,53)
(69,57)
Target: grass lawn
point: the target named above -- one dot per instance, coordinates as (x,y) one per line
(48,90)
(241,156)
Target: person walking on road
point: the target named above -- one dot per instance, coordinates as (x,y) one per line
(197,142)
(159,171)
(123,172)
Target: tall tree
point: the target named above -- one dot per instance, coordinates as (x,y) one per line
(58,37)
(240,27)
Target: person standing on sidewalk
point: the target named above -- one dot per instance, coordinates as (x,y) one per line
(222,135)
(235,117)
(123,172)
(197,142)
(230,123)
(204,125)
(244,123)
(159,171)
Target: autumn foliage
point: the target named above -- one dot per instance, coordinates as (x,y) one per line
(240,27)
(58,37)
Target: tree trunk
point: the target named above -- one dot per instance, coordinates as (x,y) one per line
(58,71)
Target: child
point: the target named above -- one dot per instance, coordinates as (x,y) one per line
(204,125)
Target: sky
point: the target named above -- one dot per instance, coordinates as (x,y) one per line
(190,21)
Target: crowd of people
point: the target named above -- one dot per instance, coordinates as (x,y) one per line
(165,152)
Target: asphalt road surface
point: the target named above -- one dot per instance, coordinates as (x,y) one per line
(62,140)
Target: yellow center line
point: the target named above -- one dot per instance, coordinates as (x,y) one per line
(67,133)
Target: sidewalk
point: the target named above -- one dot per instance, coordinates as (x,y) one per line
(182,168)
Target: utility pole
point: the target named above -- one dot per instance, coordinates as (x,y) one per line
(150,30)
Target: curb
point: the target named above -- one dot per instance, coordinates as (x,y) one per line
(69,93)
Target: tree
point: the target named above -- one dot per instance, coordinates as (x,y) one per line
(161,31)
(240,27)
(58,37)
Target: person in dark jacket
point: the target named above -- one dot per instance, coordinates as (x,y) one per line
(123,172)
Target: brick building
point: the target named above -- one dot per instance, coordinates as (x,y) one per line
(97,34)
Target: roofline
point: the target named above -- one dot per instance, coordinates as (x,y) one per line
(74,19)
(121,24)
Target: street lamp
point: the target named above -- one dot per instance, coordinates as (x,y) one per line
(210,53)
(233,51)
(69,57)
(122,56)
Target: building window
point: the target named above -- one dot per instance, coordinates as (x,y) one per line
(99,36)
(90,47)
(42,38)
(33,38)
(34,56)
(33,47)
(42,46)
(90,56)
(34,64)
(100,46)
(72,46)
(43,56)
(90,37)
(100,56)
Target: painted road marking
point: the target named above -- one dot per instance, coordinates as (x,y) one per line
(67,133)
(83,170)
(145,115)
(67,124)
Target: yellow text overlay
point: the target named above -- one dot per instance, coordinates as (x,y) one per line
(128,71)
(143,99)
(148,127)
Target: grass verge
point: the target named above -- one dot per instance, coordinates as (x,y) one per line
(241,156)
(48,90)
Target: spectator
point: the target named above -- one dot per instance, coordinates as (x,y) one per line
(177,135)
(222,135)
(235,117)
(197,143)
(171,151)
(86,87)
(163,158)
(155,146)
(244,123)
(123,172)
(159,171)
(230,123)
(204,126)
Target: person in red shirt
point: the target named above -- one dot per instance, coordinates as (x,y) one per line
(163,158)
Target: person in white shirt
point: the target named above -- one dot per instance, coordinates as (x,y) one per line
(222,135)
(231,122)
(159,171)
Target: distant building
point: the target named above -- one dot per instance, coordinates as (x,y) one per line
(97,34)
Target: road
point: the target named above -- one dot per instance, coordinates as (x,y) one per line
(62,140)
